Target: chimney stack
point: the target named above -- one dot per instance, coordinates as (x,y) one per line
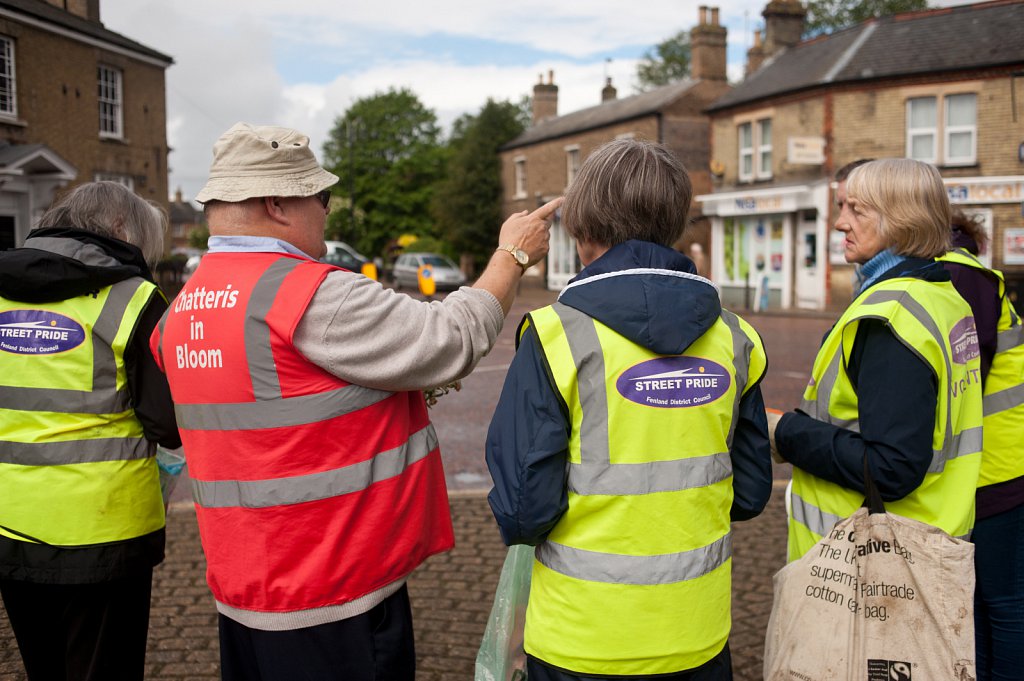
(755,55)
(707,46)
(608,92)
(545,99)
(783,25)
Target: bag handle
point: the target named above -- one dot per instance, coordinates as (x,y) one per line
(872,497)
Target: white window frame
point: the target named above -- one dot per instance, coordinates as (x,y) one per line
(913,132)
(941,131)
(110,93)
(8,79)
(745,152)
(519,163)
(125,180)
(572,163)
(764,151)
(949,130)
(758,151)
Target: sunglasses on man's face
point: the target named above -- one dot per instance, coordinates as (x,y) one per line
(324,197)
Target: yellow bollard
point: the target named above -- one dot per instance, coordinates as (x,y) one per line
(425,277)
(370,270)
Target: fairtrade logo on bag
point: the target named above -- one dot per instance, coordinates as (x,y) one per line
(888,670)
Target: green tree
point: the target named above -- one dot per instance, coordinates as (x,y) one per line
(667,63)
(467,205)
(387,153)
(198,236)
(826,16)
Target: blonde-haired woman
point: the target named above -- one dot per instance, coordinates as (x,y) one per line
(895,388)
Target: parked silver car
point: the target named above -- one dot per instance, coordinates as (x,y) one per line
(447,275)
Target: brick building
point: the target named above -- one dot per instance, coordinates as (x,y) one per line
(183,217)
(539,164)
(944,86)
(77,103)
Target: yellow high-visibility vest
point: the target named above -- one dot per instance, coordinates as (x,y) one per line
(75,468)
(933,320)
(1002,457)
(635,578)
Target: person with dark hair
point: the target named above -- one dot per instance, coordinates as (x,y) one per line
(881,397)
(999,522)
(81,512)
(630,431)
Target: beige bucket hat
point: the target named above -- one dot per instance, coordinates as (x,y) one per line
(251,161)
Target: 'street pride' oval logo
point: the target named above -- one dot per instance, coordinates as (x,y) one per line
(964,341)
(38,332)
(674,382)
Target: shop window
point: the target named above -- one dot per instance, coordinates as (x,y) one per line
(755,146)
(943,130)
(110,102)
(520,179)
(8,89)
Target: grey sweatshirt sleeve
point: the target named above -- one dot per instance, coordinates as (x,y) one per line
(366,334)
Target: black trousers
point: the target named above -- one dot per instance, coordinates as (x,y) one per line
(81,632)
(375,646)
(718,668)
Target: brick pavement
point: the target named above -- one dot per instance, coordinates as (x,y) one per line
(451,596)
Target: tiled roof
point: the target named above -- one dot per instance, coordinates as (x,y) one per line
(947,39)
(603,114)
(47,13)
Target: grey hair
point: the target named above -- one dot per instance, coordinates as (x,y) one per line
(628,189)
(111,209)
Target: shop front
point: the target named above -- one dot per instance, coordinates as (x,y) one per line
(769,247)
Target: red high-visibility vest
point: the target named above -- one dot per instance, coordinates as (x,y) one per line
(310,492)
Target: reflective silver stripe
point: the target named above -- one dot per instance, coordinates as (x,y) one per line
(75,451)
(1010,338)
(813,518)
(160,342)
(741,349)
(648,478)
(818,409)
(258,350)
(588,357)
(1004,399)
(302,488)
(610,568)
(925,319)
(969,441)
(285,411)
(104,398)
(90,254)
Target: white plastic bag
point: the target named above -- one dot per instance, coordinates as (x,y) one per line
(880,598)
(501,656)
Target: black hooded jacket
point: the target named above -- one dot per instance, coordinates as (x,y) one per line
(36,274)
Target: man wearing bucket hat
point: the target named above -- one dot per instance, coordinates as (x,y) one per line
(298,386)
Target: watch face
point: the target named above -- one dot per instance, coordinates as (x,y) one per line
(521,257)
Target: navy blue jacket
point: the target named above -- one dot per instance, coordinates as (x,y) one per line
(898,393)
(528,439)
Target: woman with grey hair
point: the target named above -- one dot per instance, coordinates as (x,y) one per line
(82,517)
(895,390)
(630,432)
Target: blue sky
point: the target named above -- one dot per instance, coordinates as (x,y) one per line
(302,63)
